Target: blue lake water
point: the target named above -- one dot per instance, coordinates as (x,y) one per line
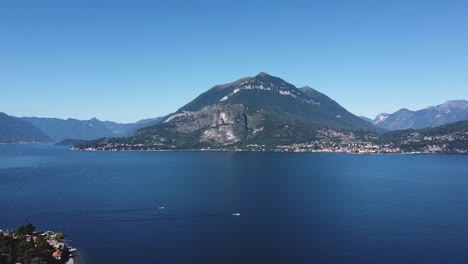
(294,208)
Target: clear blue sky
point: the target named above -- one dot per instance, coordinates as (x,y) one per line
(128,60)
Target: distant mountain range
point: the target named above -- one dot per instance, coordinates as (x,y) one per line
(60,129)
(259,113)
(262,110)
(15,130)
(39,129)
(448,112)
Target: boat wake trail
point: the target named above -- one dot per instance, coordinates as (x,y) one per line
(141,214)
(160,217)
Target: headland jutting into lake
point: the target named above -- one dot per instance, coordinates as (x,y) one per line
(25,245)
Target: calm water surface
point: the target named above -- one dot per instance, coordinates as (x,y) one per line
(295,208)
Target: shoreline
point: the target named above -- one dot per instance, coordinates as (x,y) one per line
(272,151)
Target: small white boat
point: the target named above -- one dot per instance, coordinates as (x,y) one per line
(161,207)
(236,214)
(72,249)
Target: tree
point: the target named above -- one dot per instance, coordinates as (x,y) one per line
(59,235)
(29,229)
(21,230)
(22,248)
(29,255)
(18,250)
(32,245)
(41,244)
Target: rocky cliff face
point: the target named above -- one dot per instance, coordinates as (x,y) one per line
(214,124)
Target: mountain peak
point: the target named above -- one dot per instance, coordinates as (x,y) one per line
(266,79)
(263,74)
(403,110)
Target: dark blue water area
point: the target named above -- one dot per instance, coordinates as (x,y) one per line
(294,208)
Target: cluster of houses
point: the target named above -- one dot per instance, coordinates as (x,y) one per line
(60,249)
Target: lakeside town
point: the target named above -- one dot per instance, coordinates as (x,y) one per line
(26,246)
(350,142)
(327,140)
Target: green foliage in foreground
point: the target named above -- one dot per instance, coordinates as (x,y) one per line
(14,247)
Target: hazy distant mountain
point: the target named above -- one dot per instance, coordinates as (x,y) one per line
(262,110)
(448,112)
(60,129)
(119,129)
(125,130)
(15,130)
(367,119)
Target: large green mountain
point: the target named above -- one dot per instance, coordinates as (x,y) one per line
(261,110)
(15,130)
